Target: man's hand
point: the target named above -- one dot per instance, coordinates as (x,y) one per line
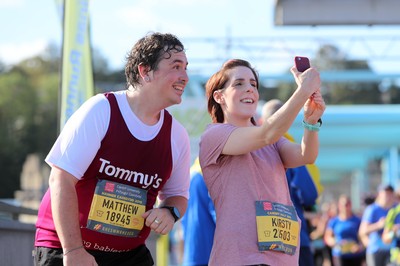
(160,220)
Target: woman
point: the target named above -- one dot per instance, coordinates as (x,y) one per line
(342,236)
(244,165)
(322,252)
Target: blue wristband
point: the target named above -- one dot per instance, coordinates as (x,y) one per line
(313,127)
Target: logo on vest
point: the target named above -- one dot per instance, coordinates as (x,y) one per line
(145,180)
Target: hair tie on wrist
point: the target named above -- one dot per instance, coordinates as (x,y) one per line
(72,249)
(313,127)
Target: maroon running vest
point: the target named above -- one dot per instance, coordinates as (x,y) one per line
(120,153)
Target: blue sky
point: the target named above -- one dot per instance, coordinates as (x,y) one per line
(28,26)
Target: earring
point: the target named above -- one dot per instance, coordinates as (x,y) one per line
(146,78)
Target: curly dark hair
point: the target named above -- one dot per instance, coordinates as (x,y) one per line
(149,51)
(218,81)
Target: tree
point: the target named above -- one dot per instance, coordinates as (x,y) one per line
(330,58)
(28,115)
(29,109)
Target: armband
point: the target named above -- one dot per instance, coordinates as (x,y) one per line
(72,249)
(313,127)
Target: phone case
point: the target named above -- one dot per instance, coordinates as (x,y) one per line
(302,63)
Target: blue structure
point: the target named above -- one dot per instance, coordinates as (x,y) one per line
(351,135)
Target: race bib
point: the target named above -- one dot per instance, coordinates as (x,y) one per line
(277,227)
(117,209)
(346,246)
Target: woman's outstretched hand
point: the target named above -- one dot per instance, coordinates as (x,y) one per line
(308,81)
(314,108)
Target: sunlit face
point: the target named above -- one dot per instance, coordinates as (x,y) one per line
(344,204)
(170,78)
(240,97)
(387,195)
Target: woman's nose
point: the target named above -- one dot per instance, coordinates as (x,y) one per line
(250,88)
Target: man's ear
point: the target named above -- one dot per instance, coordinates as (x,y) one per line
(218,97)
(144,72)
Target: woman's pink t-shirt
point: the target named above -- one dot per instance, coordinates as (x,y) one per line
(235,183)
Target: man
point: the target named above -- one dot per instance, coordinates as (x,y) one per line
(391,234)
(115,156)
(372,224)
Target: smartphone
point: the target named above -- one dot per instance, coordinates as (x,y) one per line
(302,63)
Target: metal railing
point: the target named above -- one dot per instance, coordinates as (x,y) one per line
(16,238)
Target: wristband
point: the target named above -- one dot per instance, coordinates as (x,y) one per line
(72,249)
(313,127)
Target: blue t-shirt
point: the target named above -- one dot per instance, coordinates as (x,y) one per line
(346,234)
(372,214)
(198,223)
(303,193)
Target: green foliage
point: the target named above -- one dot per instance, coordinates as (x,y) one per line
(14,117)
(29,110)
(194,119)
(329,58)
(28,115)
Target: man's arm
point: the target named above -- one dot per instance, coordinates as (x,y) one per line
(64,204)
(367,228)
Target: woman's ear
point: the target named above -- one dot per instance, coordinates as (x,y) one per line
(218,97)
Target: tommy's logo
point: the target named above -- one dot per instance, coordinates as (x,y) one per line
(132,176)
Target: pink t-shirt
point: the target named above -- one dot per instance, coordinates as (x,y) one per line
(235,183)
